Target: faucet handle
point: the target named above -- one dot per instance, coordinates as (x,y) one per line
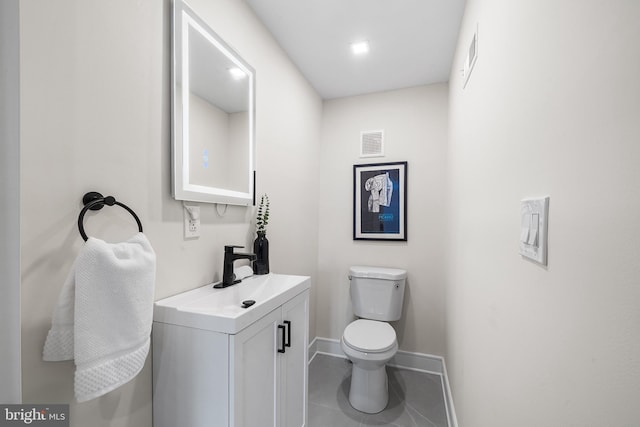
(229,248)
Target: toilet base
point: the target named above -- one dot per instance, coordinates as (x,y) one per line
(369,391)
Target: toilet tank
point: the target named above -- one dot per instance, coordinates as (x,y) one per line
(377,293)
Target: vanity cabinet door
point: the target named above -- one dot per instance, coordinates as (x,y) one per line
(294,362)
(268,368)
(254,369)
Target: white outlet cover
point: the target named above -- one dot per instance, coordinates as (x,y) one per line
(191,221)
(534,219)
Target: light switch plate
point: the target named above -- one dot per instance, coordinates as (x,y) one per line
(534,219)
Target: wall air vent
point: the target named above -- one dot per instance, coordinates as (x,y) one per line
(372,143)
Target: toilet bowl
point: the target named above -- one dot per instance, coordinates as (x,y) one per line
(369,344)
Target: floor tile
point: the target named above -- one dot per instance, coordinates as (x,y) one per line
(415,398)
(330,417)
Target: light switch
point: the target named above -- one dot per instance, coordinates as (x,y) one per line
(533,230)
(533,235)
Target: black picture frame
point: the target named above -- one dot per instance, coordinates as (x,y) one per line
(380,201)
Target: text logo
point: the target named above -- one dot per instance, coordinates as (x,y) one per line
(34,415)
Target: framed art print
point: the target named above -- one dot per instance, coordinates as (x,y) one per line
(380,201)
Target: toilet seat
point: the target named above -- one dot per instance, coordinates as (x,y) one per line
(369,336)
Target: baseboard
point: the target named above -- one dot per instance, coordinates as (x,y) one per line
(403,359)
(313,349)
(448,397)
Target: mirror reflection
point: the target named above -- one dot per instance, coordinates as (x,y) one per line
(213,138)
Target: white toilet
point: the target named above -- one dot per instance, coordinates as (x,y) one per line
(370,342)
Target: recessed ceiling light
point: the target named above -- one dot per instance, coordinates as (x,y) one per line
(360,48)
(237,73)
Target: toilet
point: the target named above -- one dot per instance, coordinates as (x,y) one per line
(377,295)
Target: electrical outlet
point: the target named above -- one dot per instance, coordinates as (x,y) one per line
(191,221)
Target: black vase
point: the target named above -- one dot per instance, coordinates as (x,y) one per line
(261,249)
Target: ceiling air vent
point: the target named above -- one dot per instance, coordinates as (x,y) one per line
(372,143)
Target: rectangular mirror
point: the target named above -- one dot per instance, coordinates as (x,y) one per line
(213,115)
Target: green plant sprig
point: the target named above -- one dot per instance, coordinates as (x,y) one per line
(262,219)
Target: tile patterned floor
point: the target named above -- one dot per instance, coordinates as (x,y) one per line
(415,398)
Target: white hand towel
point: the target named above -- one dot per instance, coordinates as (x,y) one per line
(104,315)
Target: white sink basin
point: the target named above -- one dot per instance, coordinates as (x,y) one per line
(221,310)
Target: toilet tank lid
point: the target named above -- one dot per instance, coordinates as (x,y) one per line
(378,272)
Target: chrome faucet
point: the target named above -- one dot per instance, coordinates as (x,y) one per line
(228,277)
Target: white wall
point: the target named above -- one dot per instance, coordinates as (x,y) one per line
(95,116)
(415,125)
(10,372)
(552,108)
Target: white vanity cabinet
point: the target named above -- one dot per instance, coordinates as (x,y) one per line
(254,377)
(269,368)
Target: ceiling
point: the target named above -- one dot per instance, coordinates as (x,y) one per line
(412,42)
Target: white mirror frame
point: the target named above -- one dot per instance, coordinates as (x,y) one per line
(183,18)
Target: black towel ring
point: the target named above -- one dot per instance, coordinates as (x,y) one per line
(96,201)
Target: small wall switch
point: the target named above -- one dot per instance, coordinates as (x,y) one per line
(533,231)
(191,221)
(534,219)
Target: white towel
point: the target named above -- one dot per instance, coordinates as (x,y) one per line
(104,315)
